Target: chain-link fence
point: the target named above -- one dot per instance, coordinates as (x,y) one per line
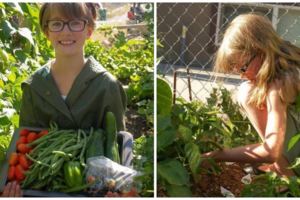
(190,34)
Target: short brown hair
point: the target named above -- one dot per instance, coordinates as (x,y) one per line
(70,11)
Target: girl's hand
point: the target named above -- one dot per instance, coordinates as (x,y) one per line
(12,189)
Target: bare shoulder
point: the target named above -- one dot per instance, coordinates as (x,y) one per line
(273,90)
(243,92)
(273,98)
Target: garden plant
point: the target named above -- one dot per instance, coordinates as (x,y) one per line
(187,129)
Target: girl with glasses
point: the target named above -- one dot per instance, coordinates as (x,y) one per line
(71,90)
(271,67)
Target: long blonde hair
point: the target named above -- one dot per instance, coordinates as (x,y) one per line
(253,34)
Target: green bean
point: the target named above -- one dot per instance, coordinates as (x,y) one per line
(45,137)
(78,188)
(57,166)
(47,168)
(39,184)
(67,156)
(42,150)
(72,148)
(37,161)
(78,136)
(54,159)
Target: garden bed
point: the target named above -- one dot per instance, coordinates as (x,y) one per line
(229,178)
(136,124)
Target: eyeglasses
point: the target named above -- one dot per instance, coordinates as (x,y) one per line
(244,68)
(76,25)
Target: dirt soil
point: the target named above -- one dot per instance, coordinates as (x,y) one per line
(136,124)
(229,178)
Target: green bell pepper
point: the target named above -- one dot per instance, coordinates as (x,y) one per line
(73,174)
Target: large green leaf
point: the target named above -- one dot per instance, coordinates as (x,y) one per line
(4,120)
(4,143)
(295,164)
(3,55)
(164,97)
(26,33)
(294,186)
(165,138)
(163,122)
(7,29)
(178,191)
(192,153)
(185,133)
(173,172)
(16,7)
(293,141)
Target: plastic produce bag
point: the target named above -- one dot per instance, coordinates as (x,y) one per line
(109,175)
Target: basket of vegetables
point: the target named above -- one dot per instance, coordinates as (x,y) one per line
(53,162)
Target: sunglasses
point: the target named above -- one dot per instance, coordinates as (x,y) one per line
(245,67)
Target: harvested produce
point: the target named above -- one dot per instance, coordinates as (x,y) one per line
(96,144)
(55,160)
(18,162)
(112,149)
(50,154)
(73,174)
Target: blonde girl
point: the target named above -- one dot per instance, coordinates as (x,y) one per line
(271,67)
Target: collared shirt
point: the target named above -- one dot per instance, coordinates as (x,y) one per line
(94,92)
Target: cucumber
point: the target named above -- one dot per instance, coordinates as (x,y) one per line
(112,150)
(95,146)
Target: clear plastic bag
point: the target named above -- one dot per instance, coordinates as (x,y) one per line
(109,175)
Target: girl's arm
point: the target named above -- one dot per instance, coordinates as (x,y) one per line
(257,116)
(271,149)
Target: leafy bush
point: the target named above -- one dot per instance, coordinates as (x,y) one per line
(143,161)
(22,49)
(4,143)
(192,128)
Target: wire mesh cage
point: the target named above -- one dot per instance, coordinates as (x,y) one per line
(190,33)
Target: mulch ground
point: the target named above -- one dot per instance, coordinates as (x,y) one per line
(136,124)
(229,178)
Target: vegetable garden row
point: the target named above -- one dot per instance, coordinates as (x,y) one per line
(188,129)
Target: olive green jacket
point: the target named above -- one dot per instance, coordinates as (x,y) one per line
(94,92)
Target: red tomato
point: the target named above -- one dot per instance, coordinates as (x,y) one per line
(43,133)
(31,137)
(11,173)
(23,148)
(24,132)
(23,161)
(22,140)
(19,172)
(13,159)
